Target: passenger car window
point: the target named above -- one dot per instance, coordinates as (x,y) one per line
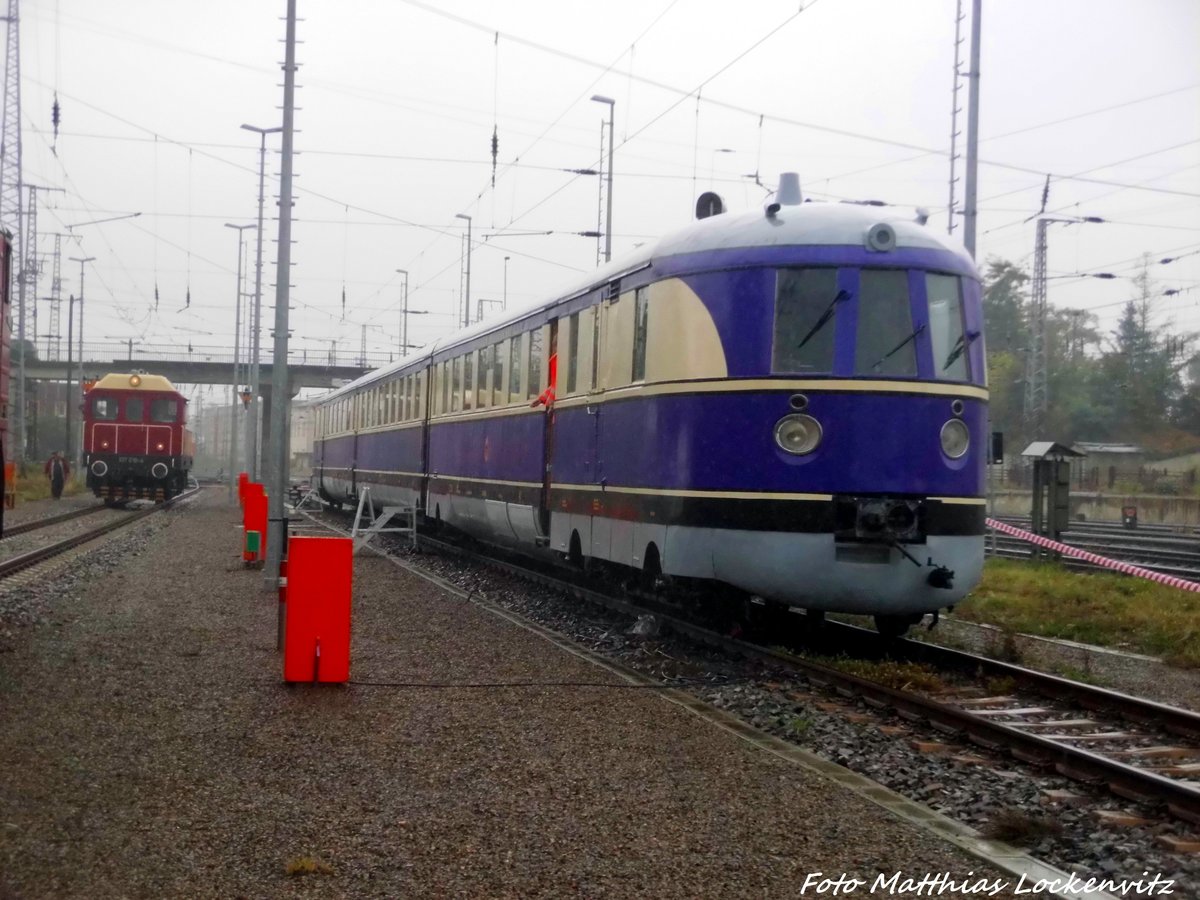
(640,323)
(806,302)
(469,381)
(572,352)
(946,326)
(104,408)
(164,409)
(498,352)
(535,363)
(886,343)
(134,409)
(514,369)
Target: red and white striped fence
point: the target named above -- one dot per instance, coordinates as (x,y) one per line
(1171,580)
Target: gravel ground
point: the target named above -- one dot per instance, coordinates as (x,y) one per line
(151,751)
(961,781)
(28,510)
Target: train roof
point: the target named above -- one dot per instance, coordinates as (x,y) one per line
(795,224)
(134,381)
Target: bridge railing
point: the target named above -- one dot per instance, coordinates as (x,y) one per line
(140,353)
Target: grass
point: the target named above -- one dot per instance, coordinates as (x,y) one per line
(1109,610)
(898,675)
(36,486)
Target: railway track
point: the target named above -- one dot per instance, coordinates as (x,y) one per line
(1168,552)
(1121,743)
(34,525)
(12,566)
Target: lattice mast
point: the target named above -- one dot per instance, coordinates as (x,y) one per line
(11,197)
(955,109)
(1035,365)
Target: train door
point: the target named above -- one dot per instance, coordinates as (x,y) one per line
(548,430)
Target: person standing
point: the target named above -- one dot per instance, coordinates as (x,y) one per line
(57,470)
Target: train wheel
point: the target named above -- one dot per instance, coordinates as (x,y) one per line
(575,554)
(651,578)
(891,627)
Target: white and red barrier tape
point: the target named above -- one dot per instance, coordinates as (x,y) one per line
(1171,580)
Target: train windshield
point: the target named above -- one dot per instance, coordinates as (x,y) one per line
(946,326)
(886,339)
(805,304)
(104,408)
(164,409)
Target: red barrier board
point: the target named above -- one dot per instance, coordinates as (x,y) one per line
(243,478)
(316,645)
(254,518)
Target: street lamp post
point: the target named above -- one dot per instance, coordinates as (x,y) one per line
(599,98)
(404,315)
(466,314)
(237,331)
(82,261)
(252,418)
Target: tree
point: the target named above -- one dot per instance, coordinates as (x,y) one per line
(1005,313)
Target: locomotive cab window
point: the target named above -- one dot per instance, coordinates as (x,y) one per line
(104,408)
(134,409)
(164,409)
(946,327)
(806,302)
(886,343)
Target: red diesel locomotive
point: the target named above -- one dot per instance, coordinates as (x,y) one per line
(135,442)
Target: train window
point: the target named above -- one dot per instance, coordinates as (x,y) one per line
(456,384)
(485,370)
(640,320)
(164,409)
(499,351)
(572,351)
(514,369)
(469,380)
(946,326)
(445,380)
(418,393)
(135,409)
(806,301)
(595,345)
(535,363)
(104,408)
(886,341)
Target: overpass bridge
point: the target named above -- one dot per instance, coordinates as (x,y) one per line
(206,365)
(190,364)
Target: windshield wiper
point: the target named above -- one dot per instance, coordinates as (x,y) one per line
(959,348)
(825,317)
(900,346)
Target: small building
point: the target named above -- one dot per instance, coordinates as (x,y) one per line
(1104,464)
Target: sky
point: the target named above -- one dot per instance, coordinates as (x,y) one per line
(398,102)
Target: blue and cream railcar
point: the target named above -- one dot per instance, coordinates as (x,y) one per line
(792,402)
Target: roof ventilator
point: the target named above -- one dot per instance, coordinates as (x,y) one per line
(788,193)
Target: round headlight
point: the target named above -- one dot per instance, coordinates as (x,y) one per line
(798,434)
(955,438)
